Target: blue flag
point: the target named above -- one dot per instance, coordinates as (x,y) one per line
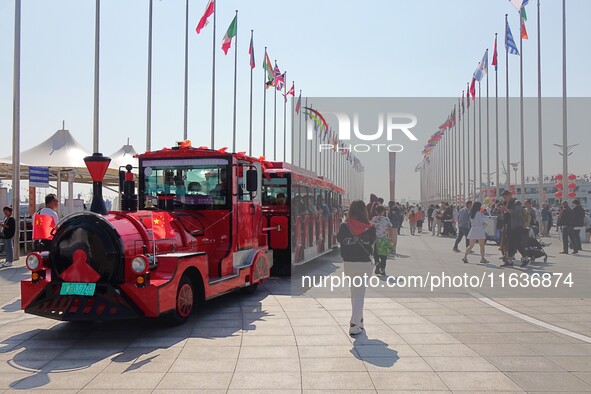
(482,67)
(510,42)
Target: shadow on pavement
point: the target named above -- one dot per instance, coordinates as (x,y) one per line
(78,346)
(373,351)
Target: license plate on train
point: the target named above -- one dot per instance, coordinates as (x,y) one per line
(81,289)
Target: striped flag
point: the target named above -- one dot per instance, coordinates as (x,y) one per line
(495,61)
(510,42)
(279,78)
(291,92)
(208,12)
(251,53)
(230,33)
(299,103)
(523,18)
(269,69)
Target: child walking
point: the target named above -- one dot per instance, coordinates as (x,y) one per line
(383,243)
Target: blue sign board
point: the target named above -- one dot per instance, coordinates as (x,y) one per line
(39,176)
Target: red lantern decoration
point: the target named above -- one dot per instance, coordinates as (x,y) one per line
(571,177)
(558,177)
(558,194)
(558,186)
(572,186)
(572,194)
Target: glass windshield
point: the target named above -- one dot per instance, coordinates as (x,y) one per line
(191,183)
(275,191)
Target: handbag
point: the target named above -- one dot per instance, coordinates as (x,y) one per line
(358,241)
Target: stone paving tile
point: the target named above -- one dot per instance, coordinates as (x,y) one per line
(271,365)
(268,340)
(402,364)
(452,328)
(416,328)
(332,365)
(446,350)
(328,380)
(584,376)
(460,364)
(323,340)
(277,380)
(209,352)
(501,349)
(549,381)
(317,330)
(449,319)
(572,363)
(483,337)
(8,381)
(143,365)
(269,352)
(233,340)
(200,365)
(326,351)
(561,349)
(407,381)
(523,363)
(196,381)
(472,381)
(56,381)
(428,339)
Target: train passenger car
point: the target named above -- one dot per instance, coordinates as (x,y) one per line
(198,233)
(303,212)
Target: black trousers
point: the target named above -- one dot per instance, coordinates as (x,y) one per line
(430,222)
(515,241)
(381,262)
(462,232)
(569,233)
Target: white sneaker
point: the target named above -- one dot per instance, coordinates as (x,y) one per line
(6,265)
(355,329)
(2,265)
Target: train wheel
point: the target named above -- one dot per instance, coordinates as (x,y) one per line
(185,301)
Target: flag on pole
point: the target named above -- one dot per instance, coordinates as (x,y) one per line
(468,99)
(510,42)
(291,92)
(251,53)
(230,33)
(268,67)
(279,78)
(495,59)
(473,88)
(523,18)
(482,67)
(208,12)
(519,4)
(299,103)
(462,101)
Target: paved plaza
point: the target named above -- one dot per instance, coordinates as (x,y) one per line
(273,342)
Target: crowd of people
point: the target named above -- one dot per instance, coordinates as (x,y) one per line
(370,232)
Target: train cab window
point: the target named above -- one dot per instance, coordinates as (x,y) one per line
(275,192)
(192,183)
(243,194)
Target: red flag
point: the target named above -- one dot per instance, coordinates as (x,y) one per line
(208,12)
(43,224)
(523,30)
(467,99)
(494,59)
(161,226)
(473,88)
(291,92)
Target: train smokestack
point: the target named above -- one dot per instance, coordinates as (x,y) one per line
(97,165)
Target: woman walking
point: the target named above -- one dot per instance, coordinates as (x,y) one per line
(357,237)
(476,233)
(412,221)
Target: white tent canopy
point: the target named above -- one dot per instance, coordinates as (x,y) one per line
(123,157)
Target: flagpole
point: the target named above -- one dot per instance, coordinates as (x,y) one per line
(149,93)
(300,133)
(463,150)
(540,138)
(16,118)
(306,141)
(97,38)
(564,107)
(487,130)
(285,117)
(292,112)
(521,124)
(235,84)
(213,81)
(467,147)
(479,137)
(474,145)
(186,98)
(264,104)
(250,116)
(508,169)
(275,119)
(498,175)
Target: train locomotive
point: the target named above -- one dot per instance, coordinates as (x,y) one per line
(202,223)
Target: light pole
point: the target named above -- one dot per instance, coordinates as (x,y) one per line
(568,150)
(515,166)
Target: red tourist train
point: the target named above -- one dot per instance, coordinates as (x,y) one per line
(208,223)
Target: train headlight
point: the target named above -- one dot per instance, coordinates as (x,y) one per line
(140,265)
(33,261)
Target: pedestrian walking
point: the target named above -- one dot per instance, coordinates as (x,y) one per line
(463,225)
(436,216)
(420,219)
(412,221)
(544,220)
(8,227)
(383,246)
(578,223)
(477,233)
(514,219)
(357,237)
(395,219)
(566,224)
(429,217)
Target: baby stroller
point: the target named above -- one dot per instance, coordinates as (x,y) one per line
(532,249)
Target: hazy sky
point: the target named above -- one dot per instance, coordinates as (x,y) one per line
(426,48)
